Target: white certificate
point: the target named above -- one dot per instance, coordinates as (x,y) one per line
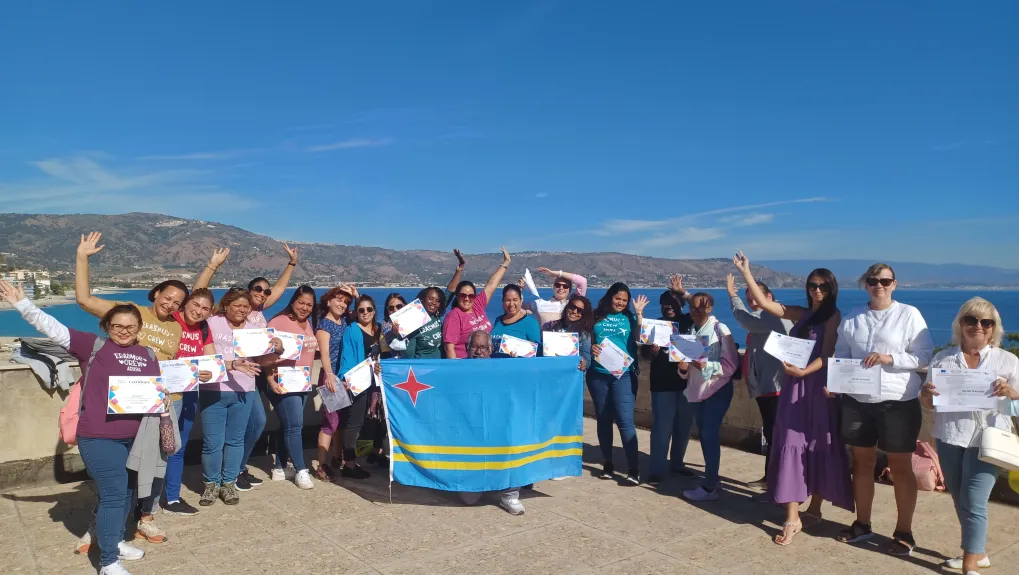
(557,343)
(179,375)
(294,379)
(849,376)
(687,348)
(516,347)
(334,402)
(410,318)
(614,359)
(293,343)
(135,394)
(359,378)
(964,388)
(790,349)
(252,342)
(656,332)
(211,363)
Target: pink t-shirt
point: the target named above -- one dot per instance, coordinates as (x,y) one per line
(257,319)
(458,325)
(285,324)
(223,339)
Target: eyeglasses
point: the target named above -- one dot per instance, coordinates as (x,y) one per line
(124,328)
(365,310)
(821,287)
(559,285)
(395,307)
(575,309)
(971,321)
(885,282)
(481,347)
(466,296)
(260,289)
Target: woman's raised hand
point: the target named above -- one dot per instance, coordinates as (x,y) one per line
(12,294)
(505,256)
(676,282)
(219,257)
(730,285)
(741,262)
(639,303)
(87,247)
(292,252)
(460,261)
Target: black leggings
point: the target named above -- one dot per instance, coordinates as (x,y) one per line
(769,408)
(354,419)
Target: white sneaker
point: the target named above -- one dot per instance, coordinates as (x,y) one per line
(114,569)
(129,552)
(701,494)
(85,543)
(303,479)
(957,563)
(513,506)
(560,478)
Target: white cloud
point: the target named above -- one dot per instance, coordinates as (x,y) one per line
(744,220)
(612,227)
(683,236)
(216,155)
(351,144)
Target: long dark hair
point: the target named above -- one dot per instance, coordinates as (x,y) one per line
(289,310)
(605,303)
(828,307)
(389,298)
(456,292)
(586,323)
(423,295)
(169,284)
(376,329)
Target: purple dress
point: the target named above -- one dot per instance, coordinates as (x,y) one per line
(808,457)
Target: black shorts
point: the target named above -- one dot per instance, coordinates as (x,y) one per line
(893,426)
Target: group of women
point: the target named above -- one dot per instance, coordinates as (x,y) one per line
(806,426)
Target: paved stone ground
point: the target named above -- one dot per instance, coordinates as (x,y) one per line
(580,525)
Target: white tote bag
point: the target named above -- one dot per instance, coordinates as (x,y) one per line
(999,447)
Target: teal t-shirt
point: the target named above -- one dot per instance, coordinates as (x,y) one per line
(426,343)
(526,328)
(615,327)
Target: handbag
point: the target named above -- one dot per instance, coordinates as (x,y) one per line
(999,447)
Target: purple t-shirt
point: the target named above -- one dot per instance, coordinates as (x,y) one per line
(458,324)
(223,339)
(112,360)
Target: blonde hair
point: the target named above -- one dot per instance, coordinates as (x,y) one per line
(978,307)
(873,271)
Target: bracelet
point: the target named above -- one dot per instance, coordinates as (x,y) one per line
(504,266)
(208,267)
(460,268)
(292,264)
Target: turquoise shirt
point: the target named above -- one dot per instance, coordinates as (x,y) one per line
(617,328)
(526,328)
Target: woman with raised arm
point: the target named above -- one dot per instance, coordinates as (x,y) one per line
(976,345)
(468,312)
(613,396)
(426,343)
(105,441)
(562,283)
(335,318)
(807,459)
(299,318)
(226,406)
(894,336)
(360,342)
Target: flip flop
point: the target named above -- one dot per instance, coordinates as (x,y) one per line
(797,527)
(902,540)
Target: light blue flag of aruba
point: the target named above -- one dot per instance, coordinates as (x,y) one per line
(483,424)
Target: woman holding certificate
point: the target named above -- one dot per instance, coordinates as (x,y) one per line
(393,346)
(105,441)
(518,327)
(975,358)
(226,406)
(358,345)
(336,318)
(613,387)
(290,383)
(578,318)
(807,460)
(426,342)
(894,337)
(468,312)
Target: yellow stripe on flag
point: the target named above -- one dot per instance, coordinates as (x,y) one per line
(513,449)
(486,465)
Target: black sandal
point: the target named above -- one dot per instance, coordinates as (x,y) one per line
(902,544)
(856,533)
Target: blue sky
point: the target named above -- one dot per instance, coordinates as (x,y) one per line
(875,130)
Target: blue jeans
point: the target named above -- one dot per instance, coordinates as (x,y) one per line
(970,481)
(186,408)
(289,409)
(613,403)
(106,462)
(709,414)
(672,418)
(254,428)
(224,418)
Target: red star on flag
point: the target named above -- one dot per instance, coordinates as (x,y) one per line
(412,386)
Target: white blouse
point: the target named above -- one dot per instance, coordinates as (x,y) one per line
(899,331)
(962,428)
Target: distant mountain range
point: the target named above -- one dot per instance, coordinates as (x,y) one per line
(908,274)
(142,249)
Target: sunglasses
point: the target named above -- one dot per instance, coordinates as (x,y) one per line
(466,296)
(885,282)
(365,310)
(575,309)
(260,289)
(821,287)
(971,321)
(561,286)
(395,307)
